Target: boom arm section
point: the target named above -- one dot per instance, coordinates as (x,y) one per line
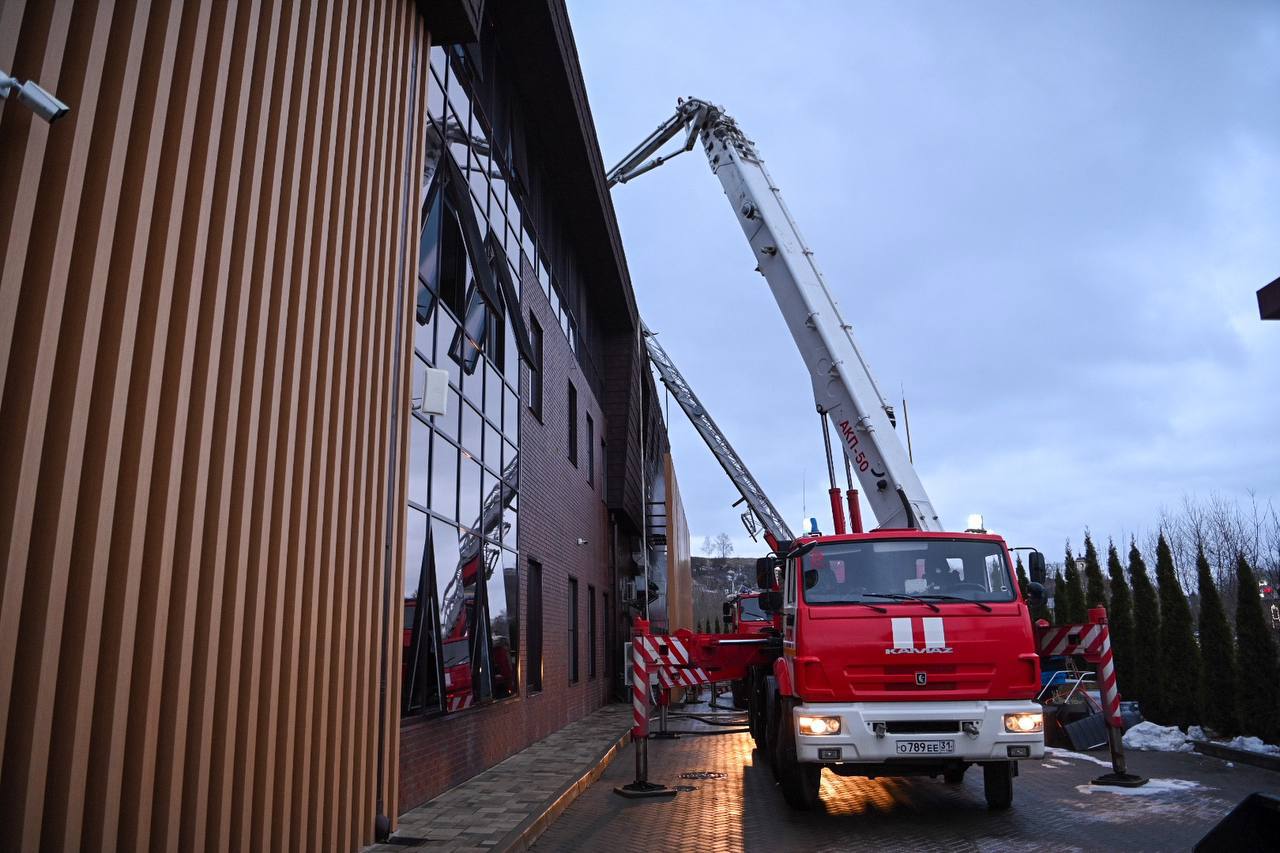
(776,529)
(843,387)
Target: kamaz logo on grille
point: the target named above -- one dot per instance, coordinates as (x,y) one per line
(904,637)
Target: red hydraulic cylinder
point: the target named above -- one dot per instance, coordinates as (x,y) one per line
(855,511)
(837,511)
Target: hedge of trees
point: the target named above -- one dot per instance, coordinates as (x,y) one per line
(1217,666)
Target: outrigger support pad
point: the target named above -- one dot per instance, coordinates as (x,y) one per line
(641,790)
(1121,780)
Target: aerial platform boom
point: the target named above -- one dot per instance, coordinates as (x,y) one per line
(843,387)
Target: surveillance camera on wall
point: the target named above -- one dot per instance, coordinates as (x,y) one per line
(40,102)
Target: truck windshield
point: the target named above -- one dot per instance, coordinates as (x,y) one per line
(751,612)
(936,570)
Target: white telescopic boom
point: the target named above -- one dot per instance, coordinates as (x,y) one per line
(843,387)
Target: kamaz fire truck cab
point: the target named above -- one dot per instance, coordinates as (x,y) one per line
(904,653)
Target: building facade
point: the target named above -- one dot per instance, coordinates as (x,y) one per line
(254,593)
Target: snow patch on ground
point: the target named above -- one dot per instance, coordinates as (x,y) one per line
(1153,787)
(1251,744)
(1079,756)
(1149,736)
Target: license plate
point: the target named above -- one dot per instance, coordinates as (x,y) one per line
(926,747)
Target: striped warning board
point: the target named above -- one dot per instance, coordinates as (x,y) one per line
(670,659)
(1084,640)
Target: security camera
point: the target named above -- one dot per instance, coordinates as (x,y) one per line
(582,541)
(40,102)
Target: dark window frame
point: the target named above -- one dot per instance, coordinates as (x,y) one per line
(591,632)
(591,451)
(572,623)
(534,628)
(572,429)
(537,343)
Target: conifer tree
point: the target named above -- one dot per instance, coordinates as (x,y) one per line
(1024,584)
(1259,670)
(1120,620)
(1144,683)
(1180,656)
(1061,599)
(1096,588)
(1218,676)
(1074,592)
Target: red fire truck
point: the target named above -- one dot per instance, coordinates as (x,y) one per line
(903,650)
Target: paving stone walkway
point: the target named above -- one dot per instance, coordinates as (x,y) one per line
(507,806)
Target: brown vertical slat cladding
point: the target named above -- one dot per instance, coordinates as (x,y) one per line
(204,286)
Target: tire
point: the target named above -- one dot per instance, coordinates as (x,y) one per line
(997,784)
(801,782)
(954,775)
(740,698)
(757,713)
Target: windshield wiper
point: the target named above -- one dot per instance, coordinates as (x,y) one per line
(937,595)
(897,596)
(876,607)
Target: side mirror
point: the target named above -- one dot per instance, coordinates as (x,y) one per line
(1035,594)
(1035,562)
(765,572)
(771,601)
(728,610)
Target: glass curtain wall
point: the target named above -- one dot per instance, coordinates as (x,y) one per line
(461,595)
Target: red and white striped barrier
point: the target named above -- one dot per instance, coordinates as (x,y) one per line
(639,685)
(670,660)
(1072,640)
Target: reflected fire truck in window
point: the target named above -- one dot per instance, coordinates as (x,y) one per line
(904,650)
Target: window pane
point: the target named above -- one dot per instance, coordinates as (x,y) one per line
(572,620)
(447,326)
(472,431)
(444,479)
(591,631)
(501,610)
(510,414)
(421,686)
(469,492)
(419,461)
(573,424)
(492,394)
(492,448)
(456,588)
(448,422)
(534,631)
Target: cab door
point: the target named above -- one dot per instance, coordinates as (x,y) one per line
(789,605)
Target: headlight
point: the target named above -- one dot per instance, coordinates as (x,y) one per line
(819,725)
(1024,724)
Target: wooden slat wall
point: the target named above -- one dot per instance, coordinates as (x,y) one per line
(203,301)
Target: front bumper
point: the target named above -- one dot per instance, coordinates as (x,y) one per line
(858,741)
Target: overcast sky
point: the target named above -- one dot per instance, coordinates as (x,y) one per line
(1053,219)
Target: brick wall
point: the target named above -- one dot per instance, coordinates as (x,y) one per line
(557,507)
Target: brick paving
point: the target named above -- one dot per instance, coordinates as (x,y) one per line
(502,807)
(1054,808)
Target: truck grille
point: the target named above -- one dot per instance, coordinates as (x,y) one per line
(922,727)
(893,682)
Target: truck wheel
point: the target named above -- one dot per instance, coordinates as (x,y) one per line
(801,782)
(997,783)
(954,775)
(756,712)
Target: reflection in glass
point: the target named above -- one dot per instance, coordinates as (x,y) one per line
(444,479)
(503,657)
(420,676)
(448,422)
(456,577)
(471,431)
(419,461)
(468,491)
(492,393)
